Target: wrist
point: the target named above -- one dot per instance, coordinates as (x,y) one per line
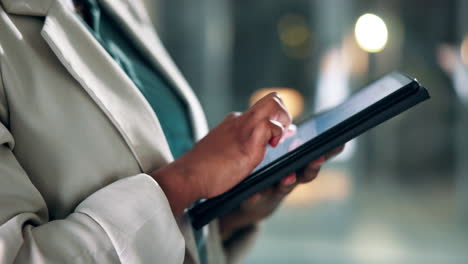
(176,182)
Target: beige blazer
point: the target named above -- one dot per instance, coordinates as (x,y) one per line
(76,139)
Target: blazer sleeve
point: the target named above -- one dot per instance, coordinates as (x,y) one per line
(113,225)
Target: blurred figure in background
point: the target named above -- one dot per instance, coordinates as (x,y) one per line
(453,62)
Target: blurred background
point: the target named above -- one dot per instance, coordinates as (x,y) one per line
(399,194)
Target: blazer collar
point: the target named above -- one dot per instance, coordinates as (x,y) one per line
(107,84)
(41,7)
(27,7)
(137,23)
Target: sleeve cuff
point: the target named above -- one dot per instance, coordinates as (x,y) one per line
(135,214)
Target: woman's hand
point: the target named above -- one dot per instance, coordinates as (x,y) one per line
(263,204)
(226,155)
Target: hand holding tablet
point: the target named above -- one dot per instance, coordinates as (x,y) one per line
(372,105)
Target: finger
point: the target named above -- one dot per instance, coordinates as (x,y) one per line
(286,185)
(250,203)
(317,164)
(271,107)
(268,132)
(232,115)
(334,152)
(292,129)
(289,132)
(259,199)
(267,98)
(308,174)
(255,198)
(312,170)
(282,114)
(277,133)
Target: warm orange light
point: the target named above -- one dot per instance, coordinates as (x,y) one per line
(292,99)
(331,185)
(464,51)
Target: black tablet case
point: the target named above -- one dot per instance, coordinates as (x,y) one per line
(381,100)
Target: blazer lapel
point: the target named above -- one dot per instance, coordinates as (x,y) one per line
(108,85)
(114,92)
(138,25)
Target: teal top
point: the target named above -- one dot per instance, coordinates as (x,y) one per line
(171,110)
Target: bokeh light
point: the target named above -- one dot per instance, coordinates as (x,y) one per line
(377,243)
(371,33)
(464,50)
(332,185)
(293,100)
(295,36)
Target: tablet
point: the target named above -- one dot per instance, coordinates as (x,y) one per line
(379,101)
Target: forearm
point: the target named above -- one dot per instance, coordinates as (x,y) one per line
(176,183)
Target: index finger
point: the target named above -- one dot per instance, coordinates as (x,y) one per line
(271,107)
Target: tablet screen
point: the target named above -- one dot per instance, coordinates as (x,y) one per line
(321,123)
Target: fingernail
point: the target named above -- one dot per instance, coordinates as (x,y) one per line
(289,180)
(274,141)
(254,198)
(289,133)
(318,163)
